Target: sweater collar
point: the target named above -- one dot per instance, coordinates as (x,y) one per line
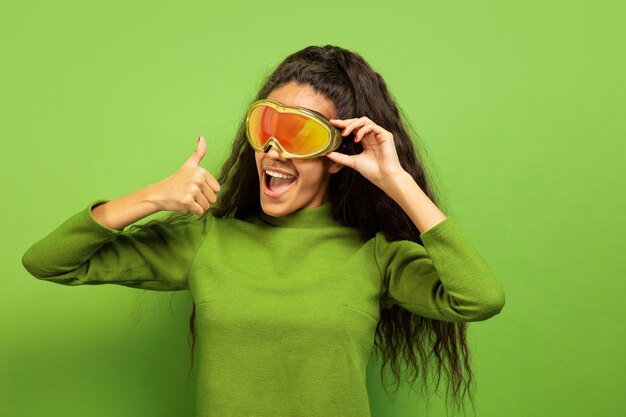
(304,218)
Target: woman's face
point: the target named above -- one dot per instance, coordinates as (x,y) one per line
(310,188)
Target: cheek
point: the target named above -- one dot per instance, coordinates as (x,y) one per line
(311,176)
(258,161)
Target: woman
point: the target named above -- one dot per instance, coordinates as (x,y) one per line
(319,248)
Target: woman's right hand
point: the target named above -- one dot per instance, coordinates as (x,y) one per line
(191,188)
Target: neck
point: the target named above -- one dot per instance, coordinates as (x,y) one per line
(311,217)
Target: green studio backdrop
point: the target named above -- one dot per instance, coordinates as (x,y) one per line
(520,107)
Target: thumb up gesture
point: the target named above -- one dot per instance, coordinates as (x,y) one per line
(191,188)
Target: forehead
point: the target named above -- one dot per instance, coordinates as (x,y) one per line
(299,95)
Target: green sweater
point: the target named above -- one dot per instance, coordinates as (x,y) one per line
(286,307)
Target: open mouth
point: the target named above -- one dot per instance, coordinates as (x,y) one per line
(275,187)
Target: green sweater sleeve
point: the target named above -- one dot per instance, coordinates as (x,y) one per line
(83,251)
(446,279)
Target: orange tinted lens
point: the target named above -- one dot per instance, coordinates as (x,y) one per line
(297,133)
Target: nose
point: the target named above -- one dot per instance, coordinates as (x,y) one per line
(274,153)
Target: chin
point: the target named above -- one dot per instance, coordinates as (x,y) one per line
(275,209)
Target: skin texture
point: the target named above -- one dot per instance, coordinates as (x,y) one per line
(312,175)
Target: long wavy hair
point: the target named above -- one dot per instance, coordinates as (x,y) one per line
(348,81)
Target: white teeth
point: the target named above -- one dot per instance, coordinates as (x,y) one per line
(278,174)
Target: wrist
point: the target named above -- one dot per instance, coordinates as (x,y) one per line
(149,197)
(397,183)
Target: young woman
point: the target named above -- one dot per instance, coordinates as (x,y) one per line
(324,244)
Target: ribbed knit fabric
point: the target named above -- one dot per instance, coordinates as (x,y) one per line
(286,307)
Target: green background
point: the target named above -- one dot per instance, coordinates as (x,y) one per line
(521,107)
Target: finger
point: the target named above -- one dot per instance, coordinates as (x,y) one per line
(343,159)
(341,122)
(197,154)
(208,192)
(202,196)
(356,123)
(191,204)
(362,131)
(370,127)
(210,179)
(197,209)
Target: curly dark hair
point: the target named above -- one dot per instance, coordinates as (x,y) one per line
(355,89)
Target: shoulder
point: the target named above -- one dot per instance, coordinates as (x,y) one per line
(384,244)
(391,252)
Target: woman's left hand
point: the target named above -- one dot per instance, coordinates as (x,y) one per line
(379,161)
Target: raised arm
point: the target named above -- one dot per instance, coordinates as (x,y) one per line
(91,247)
(83,251)
(446,279)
